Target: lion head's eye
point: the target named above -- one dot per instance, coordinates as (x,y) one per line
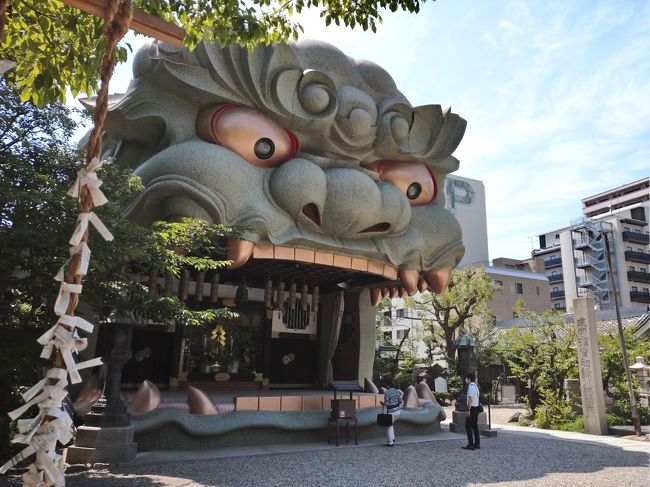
(414,179)
(253,136)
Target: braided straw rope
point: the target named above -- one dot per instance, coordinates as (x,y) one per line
(118,18)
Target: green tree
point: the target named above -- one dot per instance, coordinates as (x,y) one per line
(56,46)
(37,166)
(540,353)
(614,376)
(464,304)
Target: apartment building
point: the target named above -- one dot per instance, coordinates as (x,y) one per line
(575,258)
(518,282)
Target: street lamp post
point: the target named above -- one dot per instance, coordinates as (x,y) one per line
(636,420)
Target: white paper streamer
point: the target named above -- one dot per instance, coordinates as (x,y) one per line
(82,226)
(63,299)
(88,177)
(39,434)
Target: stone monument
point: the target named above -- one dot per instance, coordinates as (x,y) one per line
(466,363)
(591,380)
(107,435)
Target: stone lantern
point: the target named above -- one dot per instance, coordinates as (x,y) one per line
(642,372)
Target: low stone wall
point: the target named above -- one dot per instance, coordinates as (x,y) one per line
(168,429)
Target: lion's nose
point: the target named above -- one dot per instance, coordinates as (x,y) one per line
(340,202)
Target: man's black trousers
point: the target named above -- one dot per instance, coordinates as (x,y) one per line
(471,426)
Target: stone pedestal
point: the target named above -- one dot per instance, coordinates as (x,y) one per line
(458,421)
(107,435)
(591,381)
(102,445)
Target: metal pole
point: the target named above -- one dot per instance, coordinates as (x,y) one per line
(489,412)
(636,420)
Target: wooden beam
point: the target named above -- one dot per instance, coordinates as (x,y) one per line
(142,22)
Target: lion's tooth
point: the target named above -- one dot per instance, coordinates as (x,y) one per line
(438,279)
(375,296)
(409,280)
(385,293)
(403,293)
(239,251)
(422,285)
(394,292)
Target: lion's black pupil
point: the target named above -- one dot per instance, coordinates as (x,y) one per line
(414,191)
(264,148)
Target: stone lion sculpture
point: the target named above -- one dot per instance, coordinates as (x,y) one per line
(299,143)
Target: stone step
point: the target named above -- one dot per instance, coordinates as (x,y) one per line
(91,436)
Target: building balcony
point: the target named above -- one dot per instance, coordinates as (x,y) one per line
(639,297)
(555,278)
(636,237)
(638,276)
(557,294)
(552,262)
(640,257)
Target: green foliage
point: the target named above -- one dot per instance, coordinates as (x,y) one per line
(463,304)
(58,47)
(525,422)
(37,167)
(455,384)
(19,363)
(541,353)
(614,376)
(556,413)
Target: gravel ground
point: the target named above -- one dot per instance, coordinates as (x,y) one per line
(510,459)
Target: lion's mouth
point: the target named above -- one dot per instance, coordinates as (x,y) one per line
(172,196)
(331,270)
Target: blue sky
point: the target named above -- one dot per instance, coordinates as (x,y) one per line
(556,95)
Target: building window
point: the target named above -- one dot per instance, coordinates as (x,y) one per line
(557,305)
(537,290)
(399,313)
(635,289)
(554,273)
(557,235)
(631,268)
(519,288)
(642,269)
(387,336)
(637,230)
(628,249)
(626,229)
(498,282)
(555,289)
(646,290)
(401,334)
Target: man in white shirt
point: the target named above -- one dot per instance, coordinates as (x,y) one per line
(471,423)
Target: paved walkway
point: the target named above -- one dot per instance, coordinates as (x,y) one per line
(516,457)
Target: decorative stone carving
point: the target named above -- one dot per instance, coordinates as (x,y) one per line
(199,402)
(320,151)
(369,386)
(146,398)
(411,398)
(424,392)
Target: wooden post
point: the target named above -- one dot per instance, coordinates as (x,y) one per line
(142,22)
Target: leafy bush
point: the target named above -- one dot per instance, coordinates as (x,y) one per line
(525,422)
(556,413)
(614,419)
(454,385)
